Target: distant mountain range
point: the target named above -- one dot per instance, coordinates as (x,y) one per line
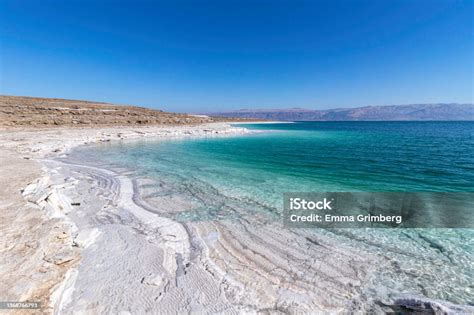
(411,112)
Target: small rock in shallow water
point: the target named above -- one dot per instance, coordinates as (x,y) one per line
(417,304)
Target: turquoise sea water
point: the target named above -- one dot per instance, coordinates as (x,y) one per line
(251,172)
(314,156)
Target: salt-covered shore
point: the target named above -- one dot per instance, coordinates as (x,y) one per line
(39,244)
(79,239)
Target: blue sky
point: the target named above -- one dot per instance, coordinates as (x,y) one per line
(199,56)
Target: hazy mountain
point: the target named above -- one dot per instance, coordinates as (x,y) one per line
(392,112)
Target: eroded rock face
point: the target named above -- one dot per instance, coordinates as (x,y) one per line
(47,112)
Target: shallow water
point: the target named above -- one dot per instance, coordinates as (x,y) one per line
(319,156)
(215,178)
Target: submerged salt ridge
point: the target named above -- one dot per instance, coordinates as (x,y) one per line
(226,194)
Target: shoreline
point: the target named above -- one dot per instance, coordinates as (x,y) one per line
(263,122)
(49,247)
(101,227)
(171,261)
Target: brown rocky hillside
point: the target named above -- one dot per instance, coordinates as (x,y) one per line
(17,111)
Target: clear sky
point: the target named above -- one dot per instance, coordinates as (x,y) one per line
(200,56)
